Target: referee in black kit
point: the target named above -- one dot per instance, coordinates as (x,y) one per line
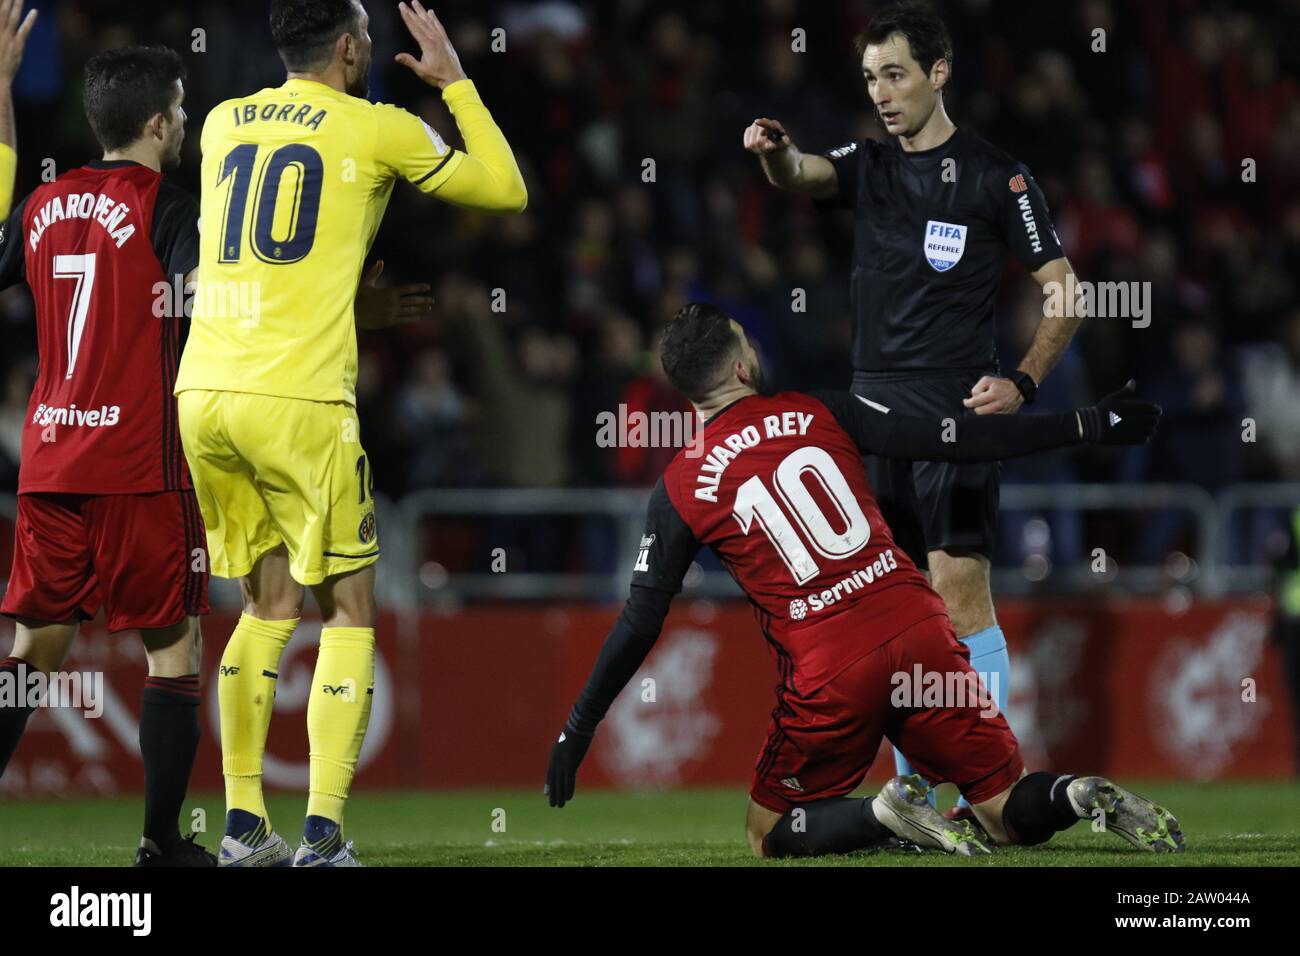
(935,209)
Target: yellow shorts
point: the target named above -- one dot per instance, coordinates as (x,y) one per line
(270,470)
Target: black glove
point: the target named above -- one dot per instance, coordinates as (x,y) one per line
(562,771)
(1119,420)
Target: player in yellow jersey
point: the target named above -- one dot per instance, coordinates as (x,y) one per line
(295,181)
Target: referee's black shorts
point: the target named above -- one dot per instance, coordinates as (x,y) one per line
(932,505)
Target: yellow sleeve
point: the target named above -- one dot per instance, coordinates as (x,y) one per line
(408,147)
(8,164)
(484,177)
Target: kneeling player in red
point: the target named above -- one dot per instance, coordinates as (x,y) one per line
(106,509)
(781,496)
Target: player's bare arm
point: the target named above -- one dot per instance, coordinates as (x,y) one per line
(993,395)
(785,166)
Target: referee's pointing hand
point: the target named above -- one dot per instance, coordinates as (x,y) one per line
(765,136)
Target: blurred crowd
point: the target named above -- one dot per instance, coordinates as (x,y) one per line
(548,318)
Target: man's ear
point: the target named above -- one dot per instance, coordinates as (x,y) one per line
(940,71)
(155,125)
(345,49)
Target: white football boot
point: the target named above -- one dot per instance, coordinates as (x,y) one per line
(306,856)
(1146,825)
(902,808)
(264,849)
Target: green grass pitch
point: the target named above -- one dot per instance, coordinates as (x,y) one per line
(1227,824)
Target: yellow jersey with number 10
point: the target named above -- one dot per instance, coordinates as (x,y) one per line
(295,181)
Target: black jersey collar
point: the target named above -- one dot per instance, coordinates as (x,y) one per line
(726,408)
(939,150)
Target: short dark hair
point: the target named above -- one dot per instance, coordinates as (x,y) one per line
(126,87)
(304,31)
(697,347)
(920,23)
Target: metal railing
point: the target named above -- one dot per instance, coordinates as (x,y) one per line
(1257,499)
(1208,570)
(1083,575)
(410,578)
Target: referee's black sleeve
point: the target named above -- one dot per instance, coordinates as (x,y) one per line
(847,160)
(878,431)
(667,548)
(1027,221)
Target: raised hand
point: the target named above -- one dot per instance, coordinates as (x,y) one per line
(13,36)
(438,64)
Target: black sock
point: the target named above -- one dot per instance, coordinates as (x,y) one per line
(13,719)
(833,825)
(169,738)
(1038,807)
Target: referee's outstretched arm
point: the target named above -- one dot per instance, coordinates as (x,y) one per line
(785,166)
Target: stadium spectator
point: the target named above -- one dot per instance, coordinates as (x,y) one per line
(431,413)
(1202,398)
(1271,376)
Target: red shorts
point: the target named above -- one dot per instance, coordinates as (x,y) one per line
(137,554)
(822,745)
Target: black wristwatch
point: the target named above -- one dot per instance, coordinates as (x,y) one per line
(1028,387)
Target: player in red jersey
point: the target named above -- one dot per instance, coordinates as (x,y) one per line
(781,496)
(106,511)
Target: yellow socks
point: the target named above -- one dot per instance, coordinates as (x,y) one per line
(246,691)
(337,714)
